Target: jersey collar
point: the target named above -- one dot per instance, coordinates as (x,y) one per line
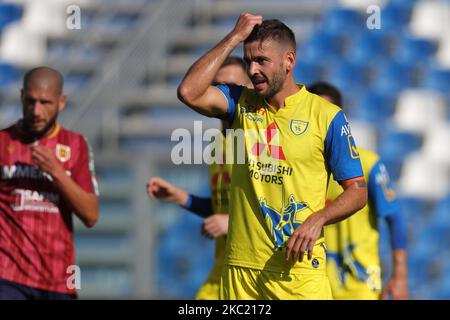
(53,133)
(292,100)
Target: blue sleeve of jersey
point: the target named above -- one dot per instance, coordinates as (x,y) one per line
(397,230)
(200,206)
(382,196)
(232,93)
(340,150)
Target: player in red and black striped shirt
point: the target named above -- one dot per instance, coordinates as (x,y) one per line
(46,173)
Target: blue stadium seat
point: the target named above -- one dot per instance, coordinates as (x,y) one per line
(347,76)
(395,16)
(437,79)
(8,74)
(412,50)
(443,289)
(76,81)
(339,18)
(441,213)
(306,73)
(395,145)
(184,258)
(319,47)
(425,244)
(367,46)
(414,210)
(392,77)
(8,13)
(421,269)
(373,106)
(121,21)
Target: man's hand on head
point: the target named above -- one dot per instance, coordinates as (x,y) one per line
(244,26)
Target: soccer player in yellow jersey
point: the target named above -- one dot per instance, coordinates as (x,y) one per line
(293,141)
(215,208)
(353,262)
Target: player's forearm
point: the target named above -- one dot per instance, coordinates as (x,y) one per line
(353,199)
(82,203)
(199,206)
(201,74)
(400,264)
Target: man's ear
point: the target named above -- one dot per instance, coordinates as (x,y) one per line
(291,58)
(62,102)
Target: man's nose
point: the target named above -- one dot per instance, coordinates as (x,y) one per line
(252,69)
(36,108)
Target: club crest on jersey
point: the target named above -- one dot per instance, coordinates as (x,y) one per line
(11,149)
(299,127)
(63,152)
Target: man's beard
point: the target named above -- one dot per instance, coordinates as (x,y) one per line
(42,132)
(275,85)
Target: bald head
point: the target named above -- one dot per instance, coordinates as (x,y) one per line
(42,99)
(44,78)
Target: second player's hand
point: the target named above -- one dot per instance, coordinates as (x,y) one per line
(215,226)
(244,26)
(46,160)
(304,238)
(158,188)
(397,288)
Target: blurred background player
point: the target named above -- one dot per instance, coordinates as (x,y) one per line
(277,196)
(353,262)
(47,173)
(215,208)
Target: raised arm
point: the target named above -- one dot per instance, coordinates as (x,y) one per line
(196,90)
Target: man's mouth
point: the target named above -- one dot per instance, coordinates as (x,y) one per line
(259,83)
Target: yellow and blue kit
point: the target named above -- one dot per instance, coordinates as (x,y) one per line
(353,263)
(289,155)
(219,175)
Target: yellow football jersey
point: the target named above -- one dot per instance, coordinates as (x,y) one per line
(288,157)
(219,181)
(353,263)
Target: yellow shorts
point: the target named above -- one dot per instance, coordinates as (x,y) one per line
(356,295)
(208,291)
(239,283)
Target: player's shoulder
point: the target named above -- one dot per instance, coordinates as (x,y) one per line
(8,131)
(72,136)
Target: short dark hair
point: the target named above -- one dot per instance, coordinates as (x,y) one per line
(323,88)
(234,61)
(272,29)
